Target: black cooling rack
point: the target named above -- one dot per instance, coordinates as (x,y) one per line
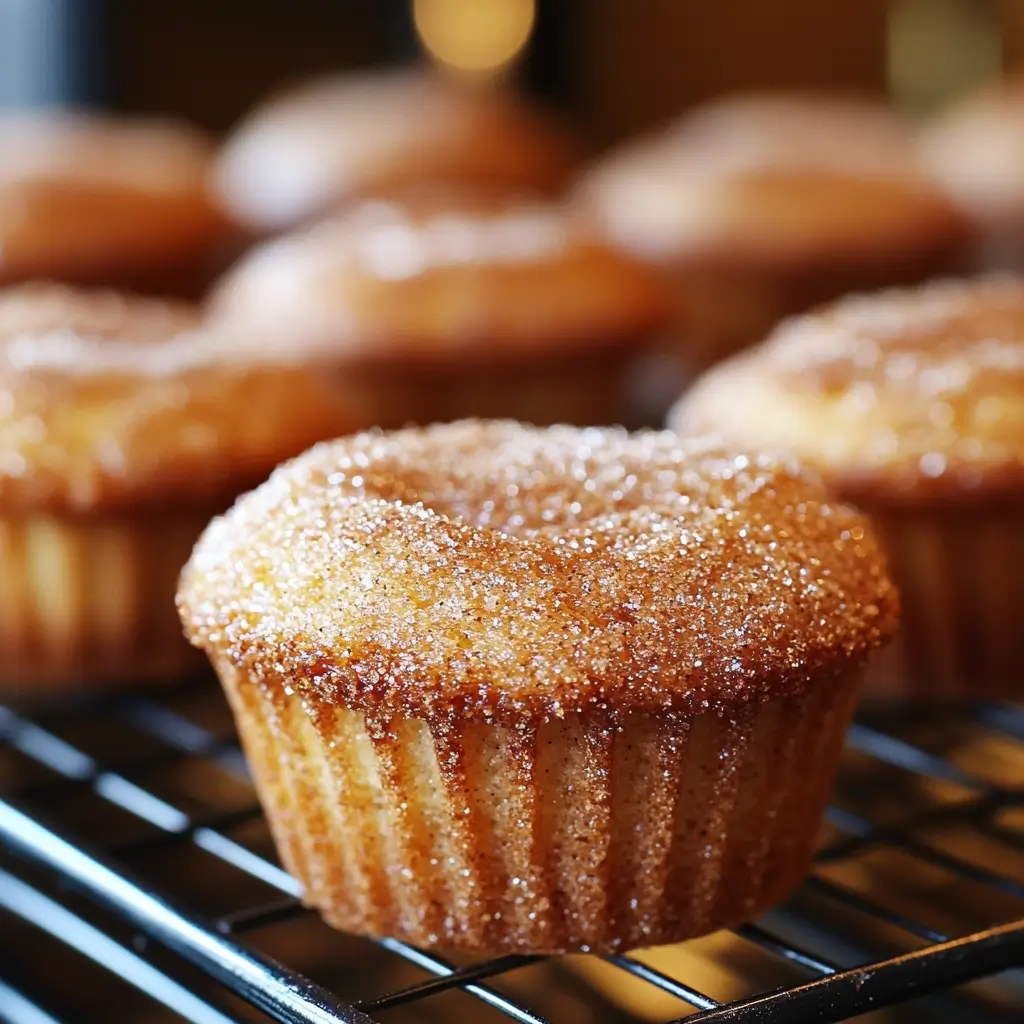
(132,847)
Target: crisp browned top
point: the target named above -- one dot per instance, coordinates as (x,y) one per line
(107,399)
(772,178)
(913,392)
(441,275)
(80,192)
(345,136)
(491,568)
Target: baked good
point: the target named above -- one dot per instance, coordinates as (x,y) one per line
(759,206)
(976,149)
(123,429)
(104,201)
(911,402)
(347,137)
(508,688)
(441,306)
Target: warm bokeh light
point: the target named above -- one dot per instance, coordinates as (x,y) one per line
(474,35)
(939,49)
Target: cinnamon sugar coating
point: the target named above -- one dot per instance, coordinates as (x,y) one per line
(437,275)
(904,394)
(486,569)
(107,399)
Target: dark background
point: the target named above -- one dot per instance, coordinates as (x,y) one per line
(617,66)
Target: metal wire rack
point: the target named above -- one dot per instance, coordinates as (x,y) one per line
(130,841)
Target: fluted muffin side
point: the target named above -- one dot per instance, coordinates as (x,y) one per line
(586,833)
(961,575)
(90,599)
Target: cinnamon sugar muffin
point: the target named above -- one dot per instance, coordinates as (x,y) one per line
(122,431)
(340,138)
(105,201)
(912,403)
(759,206)
(976,149)
(505,688)
(438,307)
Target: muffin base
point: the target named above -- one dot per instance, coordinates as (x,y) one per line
(961,574)
(999,248)
(575,834)
(590,388)
(90,600)
(725,308)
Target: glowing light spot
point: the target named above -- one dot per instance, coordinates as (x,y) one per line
(470,35)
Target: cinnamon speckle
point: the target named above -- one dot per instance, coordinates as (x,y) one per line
(914,391)
(108,398)
(502,584)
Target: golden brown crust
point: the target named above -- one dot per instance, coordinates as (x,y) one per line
(437,277)
(107,400)
(489,569)
(777,180)
(339,138)
(906,395)
(100,200)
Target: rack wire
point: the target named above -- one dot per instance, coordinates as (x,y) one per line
(129,833)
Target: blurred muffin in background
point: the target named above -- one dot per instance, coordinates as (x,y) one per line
(976,149)
(340,138)
(759,206)
(911,402)
(123,428)
(440,306)
(104,201)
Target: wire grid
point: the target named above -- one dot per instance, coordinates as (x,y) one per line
(927,959)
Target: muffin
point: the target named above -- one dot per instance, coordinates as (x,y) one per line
(439,307)
(976,149)
(757,207)
(911,402)
(509,688)
(104,201)
(321,145)
(123,430)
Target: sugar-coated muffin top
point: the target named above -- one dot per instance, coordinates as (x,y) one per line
(341,137)
(775,178)
(436,274)
(108,399)
(977,150)
(491,569)
(81,193)
(909,393)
